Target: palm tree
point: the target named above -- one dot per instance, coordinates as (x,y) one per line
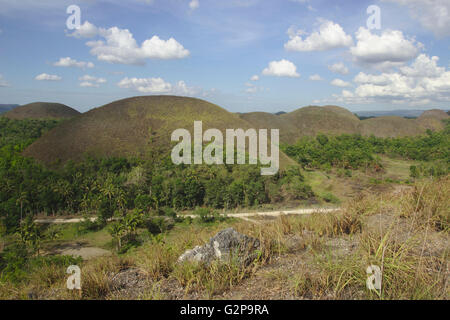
(109,190)
(29,234)
(22,199)
(117,231)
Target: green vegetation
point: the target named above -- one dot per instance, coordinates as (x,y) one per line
(358,152)
(113,186)
(23,132)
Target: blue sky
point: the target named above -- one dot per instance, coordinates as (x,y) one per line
(244,55)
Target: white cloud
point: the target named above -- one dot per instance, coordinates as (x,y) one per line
(3,82)
(423,66)
(434,15)
(119,46)
(69,62)
(329,36)
(389,49)
(282,68)
(251,88)
(315,77)
(91,81)
(340,83)
(382,79)
(422,81)
(194,4)
(339,68)
(88,84)
(156,85)
(254,78)
(47,77)
(86,30)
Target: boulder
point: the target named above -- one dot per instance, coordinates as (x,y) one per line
(224,245)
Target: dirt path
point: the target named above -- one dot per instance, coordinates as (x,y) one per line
(242,215)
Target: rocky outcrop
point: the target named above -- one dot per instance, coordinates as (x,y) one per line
(227,245)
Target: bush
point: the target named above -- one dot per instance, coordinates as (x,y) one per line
(158,225)
(87,225)
(206,214)
(329,197)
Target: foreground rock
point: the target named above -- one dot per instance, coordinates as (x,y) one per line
(227,244)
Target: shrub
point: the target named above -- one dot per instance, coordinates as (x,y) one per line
(206,214)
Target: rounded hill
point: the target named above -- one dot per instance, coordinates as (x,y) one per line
(433,119)
(130,127)
(42,110)
(311,120)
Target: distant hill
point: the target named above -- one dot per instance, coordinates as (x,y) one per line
(42,110)
(306,121)
(6,107)
(311,120)
(131,127)
(432,119)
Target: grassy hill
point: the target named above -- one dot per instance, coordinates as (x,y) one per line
(311,120)
(432,119)
(131,127)
(306,121)
(41,110)
(136,126)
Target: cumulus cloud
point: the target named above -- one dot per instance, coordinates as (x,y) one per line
(339,68)
(315,77)
(3,82)
(47,77)
(422,81)
(329,36)
(423,66)
(156,85)
(389,49)
(282,68)
(254,78)
(434,15)
(340,83)
(86,30)
(69,62)
(119,46)
(91,81)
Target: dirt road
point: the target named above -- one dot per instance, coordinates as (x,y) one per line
(242,215)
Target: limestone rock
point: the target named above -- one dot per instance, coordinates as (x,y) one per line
(227,242)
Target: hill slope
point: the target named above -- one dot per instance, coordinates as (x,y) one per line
(42,110)
(131,127)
